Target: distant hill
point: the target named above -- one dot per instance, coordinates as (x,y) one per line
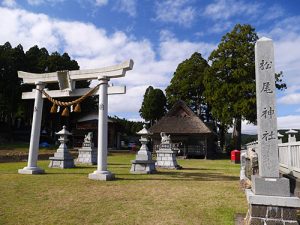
(246,138)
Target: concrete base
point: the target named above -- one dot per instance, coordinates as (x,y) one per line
(167,159)
(143,167)
(270,186)
(31,170)
(63,163)
(271,209)
(101,175)
(291,201)
(87,155)
(270,215)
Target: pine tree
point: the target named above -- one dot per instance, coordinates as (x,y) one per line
(154,105)
(187,85)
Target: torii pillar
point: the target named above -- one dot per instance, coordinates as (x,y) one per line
(32,167)
(102,173)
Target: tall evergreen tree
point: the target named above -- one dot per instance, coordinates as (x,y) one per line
(230,81)
(11,60)
(187,85)
(154,105)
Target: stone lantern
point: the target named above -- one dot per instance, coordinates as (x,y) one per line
(143,164)
(62,158)
(292,135)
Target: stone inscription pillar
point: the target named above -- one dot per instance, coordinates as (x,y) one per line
(269,198)
(266,108)
(32,167)
(102,173)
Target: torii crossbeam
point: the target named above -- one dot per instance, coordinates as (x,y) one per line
(66,81)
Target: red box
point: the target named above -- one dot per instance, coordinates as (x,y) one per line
(236,156)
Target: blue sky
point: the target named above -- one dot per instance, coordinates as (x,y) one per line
(157,35)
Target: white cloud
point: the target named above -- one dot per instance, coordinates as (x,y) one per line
(35,2)
(248,128)
(127,6)
(225,9)
(220,27)
(273,12)
(290,99)
(283,122)
(99,48)
(289,122)
(175,11)
(128,103)
(40,2)
(101,2)
(9,3)
(183,49)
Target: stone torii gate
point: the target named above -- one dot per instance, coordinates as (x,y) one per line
(66,81)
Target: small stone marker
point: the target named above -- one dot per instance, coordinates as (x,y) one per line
(87,154)
(143,164)
(62,157)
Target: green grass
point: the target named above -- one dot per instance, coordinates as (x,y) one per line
(203,193)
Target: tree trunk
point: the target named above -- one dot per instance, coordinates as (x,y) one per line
(237,133)
(222,136)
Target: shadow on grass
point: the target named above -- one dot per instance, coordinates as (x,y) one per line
(175,176)
(196,169)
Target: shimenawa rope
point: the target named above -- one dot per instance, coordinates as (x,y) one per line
(66,104)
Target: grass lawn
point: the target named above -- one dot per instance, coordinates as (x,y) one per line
(205,192)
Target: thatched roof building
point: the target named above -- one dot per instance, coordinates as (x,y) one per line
(185,127)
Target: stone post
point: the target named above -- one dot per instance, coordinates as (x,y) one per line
(280,136)
(292,135)
(270,201)
(102,173)
(32,167)
(268,181)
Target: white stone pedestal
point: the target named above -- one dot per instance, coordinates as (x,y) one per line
(101,175)
(31,170)
(62,158)
(166,158)
(87,155)
(143,163)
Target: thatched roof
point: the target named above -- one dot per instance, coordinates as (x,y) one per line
(180,120)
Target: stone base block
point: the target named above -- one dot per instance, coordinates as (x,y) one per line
(143,167)
(102,175)
(166,158)
(269,215)
(270,186)
(31,170)
(87,156)
(62,163)
(291,201)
